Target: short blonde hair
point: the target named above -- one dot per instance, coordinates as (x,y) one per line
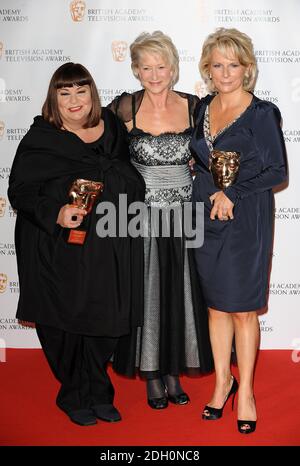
(229,41)
(158,43)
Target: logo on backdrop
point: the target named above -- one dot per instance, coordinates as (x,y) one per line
(2,206)
(108,94)
(4,174)
(77,9)
(11,134)
(3,282)
(2,89)
(33,55)
(287,213)
(185,56)
(265,94)
(203,10)
(291,135)
(245,15)
(5,285)
(11,212)
(12,15)
(284,289)
(13,95)
(200,89)
(7,249)
(8,323)
(265,326)
(119,50)
(2,129)
(118,15)
(277,55)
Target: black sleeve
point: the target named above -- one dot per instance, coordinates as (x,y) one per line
(122,106)
(27,197)
(195,105)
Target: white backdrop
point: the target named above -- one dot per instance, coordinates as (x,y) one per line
(37,36)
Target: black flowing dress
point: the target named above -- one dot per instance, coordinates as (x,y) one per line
(233,263)
(174,338)
(91,289)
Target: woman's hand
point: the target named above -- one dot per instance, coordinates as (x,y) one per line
(222,206)
(64,218)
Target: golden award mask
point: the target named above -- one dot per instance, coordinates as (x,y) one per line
(83,194)
(119,50)
(224,166)
(3,282)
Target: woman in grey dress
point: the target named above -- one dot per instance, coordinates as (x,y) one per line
(174,338)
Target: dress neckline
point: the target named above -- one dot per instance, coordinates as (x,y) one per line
(164,133)
(231,123)
(135,129)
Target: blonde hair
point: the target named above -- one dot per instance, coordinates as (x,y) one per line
(229,41)
(158,43)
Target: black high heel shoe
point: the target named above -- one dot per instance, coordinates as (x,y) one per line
(158,403)
(180,399)
(216,413)
(246,427)
(158,388)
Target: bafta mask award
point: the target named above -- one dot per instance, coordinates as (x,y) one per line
(224,167)
(83,194)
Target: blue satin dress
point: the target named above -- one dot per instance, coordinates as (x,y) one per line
(233,263)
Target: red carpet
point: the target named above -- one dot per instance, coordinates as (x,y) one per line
(29,415)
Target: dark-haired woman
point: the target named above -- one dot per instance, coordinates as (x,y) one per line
(80,296)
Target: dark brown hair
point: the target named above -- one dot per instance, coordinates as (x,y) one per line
(69,75)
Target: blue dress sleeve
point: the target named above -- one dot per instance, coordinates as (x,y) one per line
(270,147)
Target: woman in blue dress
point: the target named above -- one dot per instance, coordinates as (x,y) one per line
(174,338)
(233,263)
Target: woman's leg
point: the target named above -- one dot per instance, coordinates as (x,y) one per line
(64,352)
(246,326)
(156,394)
(97,353)
(221,333)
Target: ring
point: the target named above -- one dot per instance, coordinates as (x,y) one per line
(74,218)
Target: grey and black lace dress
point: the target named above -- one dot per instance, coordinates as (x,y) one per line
(174,338)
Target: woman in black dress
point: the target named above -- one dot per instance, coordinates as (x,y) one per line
(81,295)
(174,338)
(233,263)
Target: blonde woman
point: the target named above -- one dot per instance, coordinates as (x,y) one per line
(233,263)
(174,338)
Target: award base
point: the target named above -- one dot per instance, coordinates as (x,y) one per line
(76,237)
